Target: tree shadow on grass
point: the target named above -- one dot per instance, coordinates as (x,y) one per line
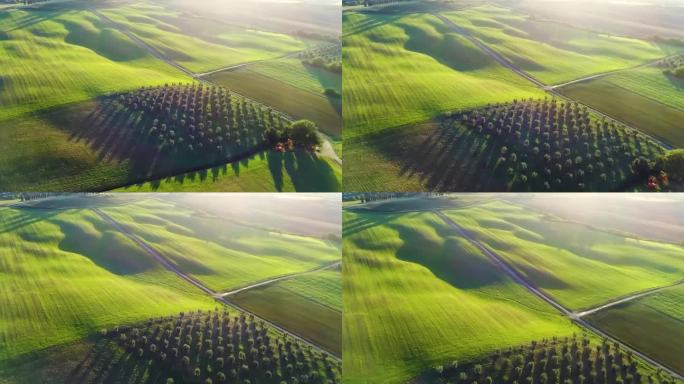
(309,173)
(121,136)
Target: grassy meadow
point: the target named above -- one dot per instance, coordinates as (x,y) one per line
(554,254)
(221,254)
(553,52)
(402,69)
(55,57)
(652,324)
(416,295)
(308,305)
(201,44)
(268,171)
(65,274)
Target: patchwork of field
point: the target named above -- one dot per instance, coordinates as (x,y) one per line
(402,69)
(65,274)
(221,254)
(295,101)
(200,44)
(69,271)
(308,305)
(653,324)
(645,98)
(554,254)
(55,57)
(416,295)
(553,52)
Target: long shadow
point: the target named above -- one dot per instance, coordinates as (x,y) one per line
(310,173)
(450,263)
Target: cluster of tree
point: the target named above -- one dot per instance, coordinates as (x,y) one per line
(300,134)
(222,347)
(547,144)
(201,120)
(569,361)
(328,57)
(673,66)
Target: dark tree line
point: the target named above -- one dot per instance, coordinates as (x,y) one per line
(552,145)
(222,347)
(568,361)
(673,66)
(328,57)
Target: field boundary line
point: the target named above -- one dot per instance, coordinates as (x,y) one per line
(168,265)
(549,89)
(290,276)
(498,260)
(626,299)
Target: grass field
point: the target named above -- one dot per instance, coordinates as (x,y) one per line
(292,71)
(619,213)
(653,324)
(644,98)
(297,102)
(220,253)
(417,295)
(200,44)
(67,274)
(309,305)
(406,69)
(55,57)
(553,52)
(555,255)
(266,172)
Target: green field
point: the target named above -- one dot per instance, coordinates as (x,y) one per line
(309,305)
(200,44)
(644,98)
(554,255)
(553,52)
(402,69)
(65,274)
(295,101)
(55,57)
(292,71)
(653,324)
(416,295)
(265,172)
(221,254)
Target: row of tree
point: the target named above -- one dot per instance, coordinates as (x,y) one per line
(223,347)
(548,144)
(571,360)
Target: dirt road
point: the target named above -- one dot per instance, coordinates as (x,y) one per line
(168,265)
(498,260)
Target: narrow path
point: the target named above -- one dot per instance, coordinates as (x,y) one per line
(629,298)
(498,260)
(548,88)
(168,265)
(599,75)
(277,279)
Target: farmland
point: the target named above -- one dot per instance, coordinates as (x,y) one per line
(461,289)
(409,66)
(660,313)
(69,131)
(76,276)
